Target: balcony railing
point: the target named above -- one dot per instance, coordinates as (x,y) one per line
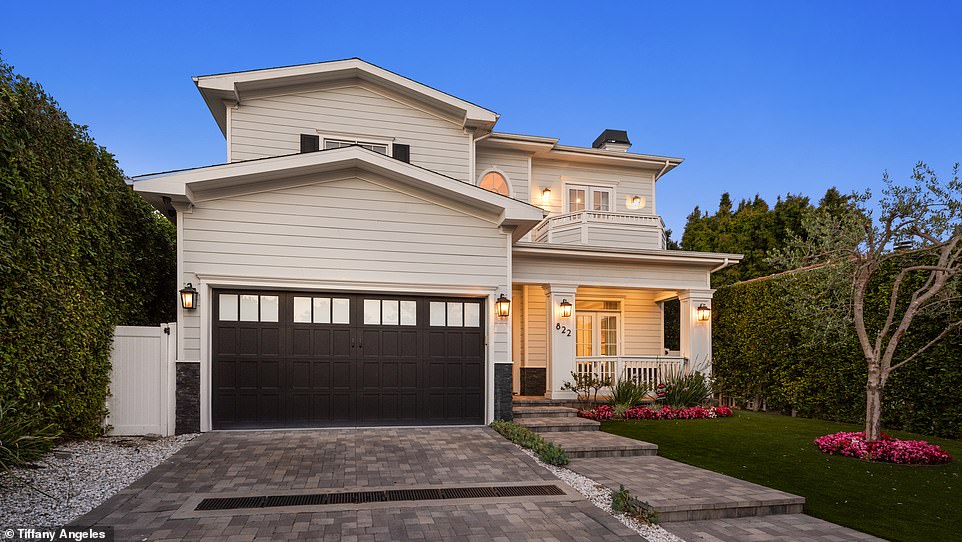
(576,227)
(651,370)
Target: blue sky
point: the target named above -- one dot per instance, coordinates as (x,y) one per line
(758,97)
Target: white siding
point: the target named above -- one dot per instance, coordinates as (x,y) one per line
(351,230)
(628,182)
(271,126)
(624,236)
(513,164)
(537,345)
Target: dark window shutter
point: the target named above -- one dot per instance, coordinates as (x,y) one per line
(310,143)
(402,152)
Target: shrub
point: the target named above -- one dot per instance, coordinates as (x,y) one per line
(686,388)
(80,253)
(761,354)
(629,392)
(885,450)
(623,502)
(23,436)
(586,385)
(546,451)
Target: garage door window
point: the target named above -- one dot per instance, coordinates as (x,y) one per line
(322,310)
(248,308)
(454,314)
(390,312)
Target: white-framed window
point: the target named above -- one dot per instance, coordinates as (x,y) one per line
(495,181)
(590,198)
(376,146)
(247,308)
(597,328)
(455,314)
(322,310)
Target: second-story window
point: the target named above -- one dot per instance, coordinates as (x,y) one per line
(591,198)
(338,143)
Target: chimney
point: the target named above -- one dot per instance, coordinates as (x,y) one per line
(612,140)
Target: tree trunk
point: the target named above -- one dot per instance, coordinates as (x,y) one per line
(873,409)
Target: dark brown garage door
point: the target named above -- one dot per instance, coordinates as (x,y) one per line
(283,359)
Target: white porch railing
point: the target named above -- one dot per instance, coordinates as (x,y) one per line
(651,370)
(540,232)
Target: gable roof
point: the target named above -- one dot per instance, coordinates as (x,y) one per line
(184,186)
(232,87)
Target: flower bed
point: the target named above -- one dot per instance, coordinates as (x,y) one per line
(605,412)
(885,450)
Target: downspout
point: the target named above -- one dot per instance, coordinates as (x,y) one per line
(720,267)
(663,169)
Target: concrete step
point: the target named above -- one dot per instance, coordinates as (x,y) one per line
(599,444)
(521,412)
(680,492)
(550,425)
(781,527)
(536,401)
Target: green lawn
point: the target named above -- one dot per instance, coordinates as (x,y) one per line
(891,501)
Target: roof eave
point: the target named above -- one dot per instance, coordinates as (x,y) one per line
(707,259)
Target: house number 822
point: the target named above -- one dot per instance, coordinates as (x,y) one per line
(563,329)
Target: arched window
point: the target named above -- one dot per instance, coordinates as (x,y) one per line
(495,182)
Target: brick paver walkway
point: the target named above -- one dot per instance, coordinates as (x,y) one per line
(277,461)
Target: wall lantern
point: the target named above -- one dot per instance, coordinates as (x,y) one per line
(565,308)
(546,196)
(703,313)
(503,306)
(188,297)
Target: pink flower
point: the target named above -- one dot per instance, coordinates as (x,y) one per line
(886,449)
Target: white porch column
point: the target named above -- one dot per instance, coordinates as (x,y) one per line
(561,340)
(695,335)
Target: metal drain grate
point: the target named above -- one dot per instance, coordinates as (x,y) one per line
(364,497)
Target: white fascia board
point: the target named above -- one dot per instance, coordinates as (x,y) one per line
(663,256)
(231,86)
(548,148)
(180,185)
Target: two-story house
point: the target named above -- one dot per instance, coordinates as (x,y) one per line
(374,252)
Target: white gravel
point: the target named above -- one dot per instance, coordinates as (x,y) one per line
(76,477)
(600,496)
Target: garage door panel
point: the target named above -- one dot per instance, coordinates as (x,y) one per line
(305,342)
(247,341)
(270,342)
(398,367)
(226,338)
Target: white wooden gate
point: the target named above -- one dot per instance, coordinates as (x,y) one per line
(142,380)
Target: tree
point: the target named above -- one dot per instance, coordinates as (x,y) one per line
(916,226)
(753,229)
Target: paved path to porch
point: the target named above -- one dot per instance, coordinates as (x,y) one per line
(158,506)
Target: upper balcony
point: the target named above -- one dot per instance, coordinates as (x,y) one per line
(602,229)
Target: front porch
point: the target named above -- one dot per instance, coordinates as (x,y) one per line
(612,333)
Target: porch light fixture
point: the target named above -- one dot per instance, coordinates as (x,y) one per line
(703,313)
(565,308)
(503,306)
(188,297)
(546,196)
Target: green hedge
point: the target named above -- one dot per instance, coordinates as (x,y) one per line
(80,253)
(762,352)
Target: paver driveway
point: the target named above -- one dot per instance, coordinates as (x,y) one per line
(159,506)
